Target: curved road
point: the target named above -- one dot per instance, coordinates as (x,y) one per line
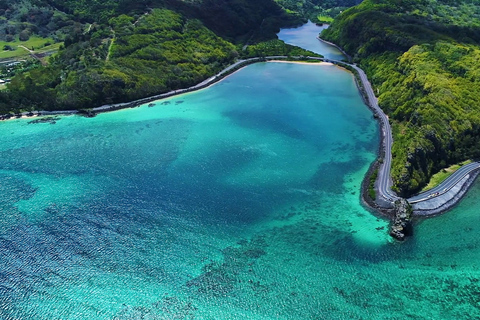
(446,185)
(384,182)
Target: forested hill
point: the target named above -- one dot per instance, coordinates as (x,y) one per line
(230,19)
(317,10)
(117,51)
(423,58)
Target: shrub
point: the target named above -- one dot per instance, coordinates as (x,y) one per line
(24,35)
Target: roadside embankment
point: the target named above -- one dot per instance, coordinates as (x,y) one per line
(336,46)
(441,203)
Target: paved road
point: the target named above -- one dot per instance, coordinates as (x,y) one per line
(446,185)
(384,181)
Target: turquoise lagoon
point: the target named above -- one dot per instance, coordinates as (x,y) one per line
(240,201)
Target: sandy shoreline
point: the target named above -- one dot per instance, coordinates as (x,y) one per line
(323,63)
(225,73)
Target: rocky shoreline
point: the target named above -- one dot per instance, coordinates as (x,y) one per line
(401,226)
(336,46)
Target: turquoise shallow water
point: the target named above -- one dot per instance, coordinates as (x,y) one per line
(306,37)
(240,201)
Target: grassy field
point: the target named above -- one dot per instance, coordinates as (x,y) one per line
(37,43)
(325,19)
(444,174)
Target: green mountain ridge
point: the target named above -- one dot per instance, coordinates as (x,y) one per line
(317,10)
(422,58)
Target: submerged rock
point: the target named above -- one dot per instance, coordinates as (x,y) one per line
(401,226)
(51,120)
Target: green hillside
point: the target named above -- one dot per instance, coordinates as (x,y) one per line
(317,10)
(423,60)
(117,51)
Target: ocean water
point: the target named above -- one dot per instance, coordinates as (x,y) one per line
(306,35)
(240,201)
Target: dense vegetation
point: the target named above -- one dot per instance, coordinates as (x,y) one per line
(423,59)
(115,51)
(317,10)
(155,53)
(233,20)
(21,19)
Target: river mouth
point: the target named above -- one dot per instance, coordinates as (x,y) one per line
(306,37)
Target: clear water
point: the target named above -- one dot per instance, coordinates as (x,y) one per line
(306,37)
(240,201)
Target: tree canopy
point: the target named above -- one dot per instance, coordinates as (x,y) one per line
(422,58)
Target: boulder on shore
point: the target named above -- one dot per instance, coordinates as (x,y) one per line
(87,113)
(401,226)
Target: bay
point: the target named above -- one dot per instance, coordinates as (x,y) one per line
(240,201)
(177,209)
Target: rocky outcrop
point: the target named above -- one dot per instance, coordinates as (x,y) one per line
(401,226)
(88,113)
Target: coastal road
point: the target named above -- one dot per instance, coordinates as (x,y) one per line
(384,182)
(446,185)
